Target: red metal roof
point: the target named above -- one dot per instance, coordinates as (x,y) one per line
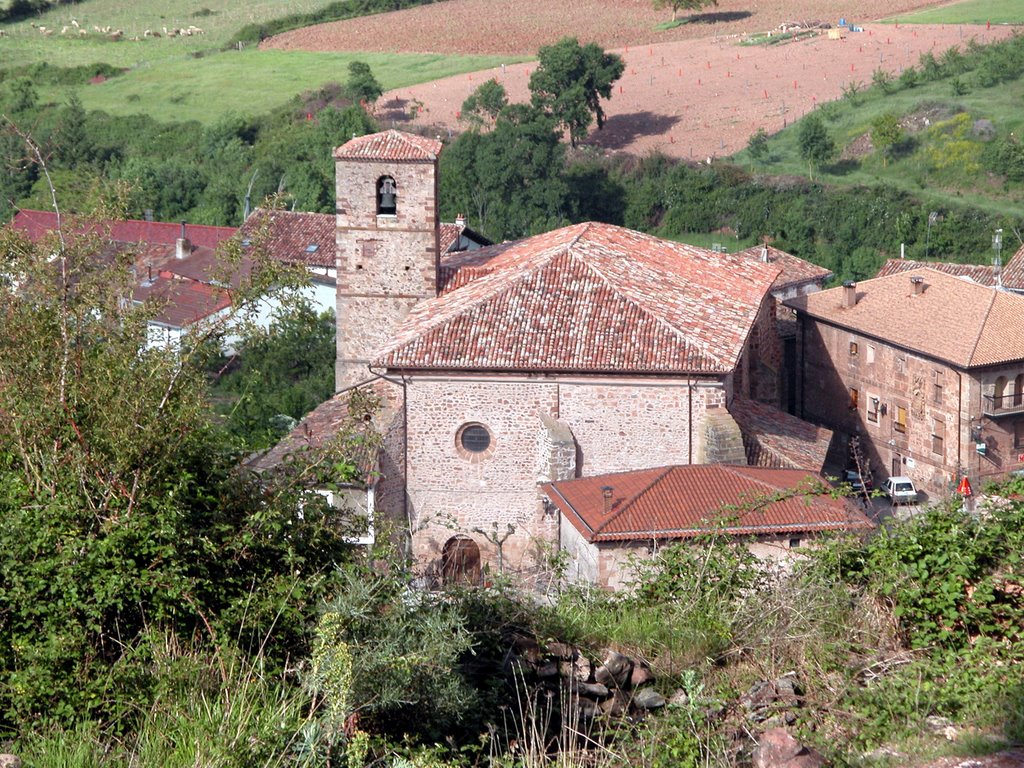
(680,502)
(37,224)
(590,297)
(389,146)
(293,237)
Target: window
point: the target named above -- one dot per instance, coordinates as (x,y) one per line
(853,349)
(473,441)
(1018,434)
(901,365)
(938,436)
(1018,390)
(387,196)
(937,387)
(794,543)
(999,392)
(870,355)
(873,409)
(854,399)
(900,422)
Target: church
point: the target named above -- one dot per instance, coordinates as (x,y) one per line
(587,350)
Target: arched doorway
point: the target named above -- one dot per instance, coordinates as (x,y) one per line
(460,561)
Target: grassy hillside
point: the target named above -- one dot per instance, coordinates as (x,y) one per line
(959,141)
(970,12)
(192,77)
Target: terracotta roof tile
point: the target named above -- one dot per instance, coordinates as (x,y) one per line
(389,146)
(773,438)
(294,237)
(980,273)
(36,224)
(181,302)
(684,501)
(591,297)
(795,271)
(952,319)
(1013,271)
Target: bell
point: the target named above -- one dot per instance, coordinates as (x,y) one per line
(387,196)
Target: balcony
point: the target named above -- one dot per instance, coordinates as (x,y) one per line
(995,406)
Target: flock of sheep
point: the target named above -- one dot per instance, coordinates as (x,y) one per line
(114,34)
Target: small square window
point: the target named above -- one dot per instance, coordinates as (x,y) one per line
(853,349)
(870,353)
(899,423)
(854,399)
(873,404)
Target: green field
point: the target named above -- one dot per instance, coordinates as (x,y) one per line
(193,78)
(251,82)
(968,12)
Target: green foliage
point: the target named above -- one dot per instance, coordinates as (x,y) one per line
(389,654)
(757,144)
(122,508)
(281,373)
(569,82)
(362,86)
(816,146)
(483,105)
(886,133)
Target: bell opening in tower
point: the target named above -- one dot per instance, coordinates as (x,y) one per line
(387,196)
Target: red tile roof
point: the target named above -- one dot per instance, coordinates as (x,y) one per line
(680,502)
(773,438)
(952,319)
(37,224)
(983,274)
(181,303)
(389,146)
(293,237)
(795,271)
(590,297)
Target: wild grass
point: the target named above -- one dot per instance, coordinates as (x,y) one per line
(252,82)
(709,240)
(850,118)
(968,12)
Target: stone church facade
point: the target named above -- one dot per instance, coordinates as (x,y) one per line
(582,351)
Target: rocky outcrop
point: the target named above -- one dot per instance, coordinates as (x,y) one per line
(776,748)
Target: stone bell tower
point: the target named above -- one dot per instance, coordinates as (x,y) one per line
(387,242)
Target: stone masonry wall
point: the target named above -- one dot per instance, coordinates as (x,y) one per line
(617,426)
(385,263)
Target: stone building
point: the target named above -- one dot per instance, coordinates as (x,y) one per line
(607,521)
(926,368)
(586,350)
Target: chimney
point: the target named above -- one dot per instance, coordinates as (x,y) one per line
(460,222)
(182,247)
(606,494)
(849,294)
(764,254)
(918,283)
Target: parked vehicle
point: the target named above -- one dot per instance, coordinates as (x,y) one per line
(857,485)
(900,490)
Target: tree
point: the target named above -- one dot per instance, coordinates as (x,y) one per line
(687,5)
(757,144)
(484,104)
(362,85)
(886,133)
(124,518)
(816,146)
(570,81)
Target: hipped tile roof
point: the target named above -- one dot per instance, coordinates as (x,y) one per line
(181,302)
(795,271)
(589,298)
(389,146)
(679,502)
(289,234)
(951,319)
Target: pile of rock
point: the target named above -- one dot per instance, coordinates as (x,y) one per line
(618,686)
(773,703)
